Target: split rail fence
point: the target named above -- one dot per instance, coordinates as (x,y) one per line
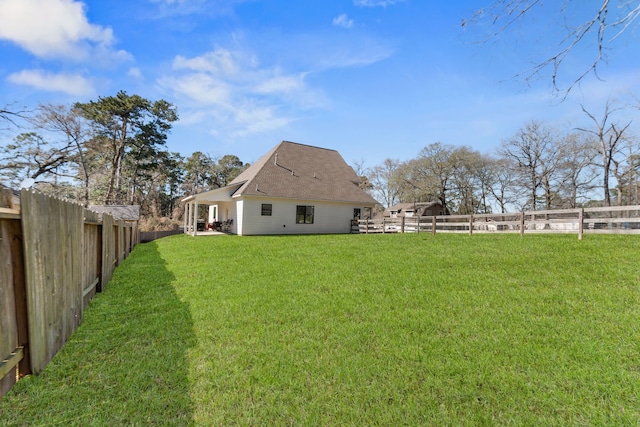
(605,220)
(55,256)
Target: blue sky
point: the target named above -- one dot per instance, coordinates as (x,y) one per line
(373,79)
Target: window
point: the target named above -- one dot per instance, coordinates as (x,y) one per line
(266,209)
(356,213)
(304,214)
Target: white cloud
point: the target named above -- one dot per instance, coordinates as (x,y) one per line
(343,21)
(334,49)
(201,88)
(135,72)
(165,8)
(254,119)
(72,84)
(219,61)
(281,84)
(54,29)
(366,54)
(235,94)
(376,3)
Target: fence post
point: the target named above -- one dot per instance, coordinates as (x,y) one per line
(580,224)
(521,224)
(402,225)
(418,223)
(100,258)
(433,225)
(471,225)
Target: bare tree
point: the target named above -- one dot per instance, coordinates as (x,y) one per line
(32,156)
(532,152)
(609,136)
(605,21)
(626,170)
(10,115)
(486,177)
(577,169)
(75,132)
(467,186)
(457,177)
(430,174)
(504,179)
(385,182)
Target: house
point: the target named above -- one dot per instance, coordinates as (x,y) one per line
(130,213)
(414,209)
(293,189)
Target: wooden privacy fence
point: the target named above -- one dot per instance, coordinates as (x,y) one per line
(150,236)
(55,256)
(618,219)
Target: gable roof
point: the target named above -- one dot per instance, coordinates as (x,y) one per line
(419,208)
(118,212)
(298,171)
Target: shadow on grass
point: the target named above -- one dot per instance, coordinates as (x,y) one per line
(125,365)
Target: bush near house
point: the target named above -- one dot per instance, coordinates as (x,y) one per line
(404,329)
(157,224)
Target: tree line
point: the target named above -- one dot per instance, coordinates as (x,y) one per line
(538,168)
(113,151)
(110,151)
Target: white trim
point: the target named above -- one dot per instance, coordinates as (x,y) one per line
(222,194)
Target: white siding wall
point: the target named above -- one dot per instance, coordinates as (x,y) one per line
(239,217)
(328,217)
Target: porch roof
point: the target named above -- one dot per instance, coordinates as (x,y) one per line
(222,194)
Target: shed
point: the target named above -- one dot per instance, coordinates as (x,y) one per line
(414,209)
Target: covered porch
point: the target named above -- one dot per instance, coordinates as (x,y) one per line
(211,212)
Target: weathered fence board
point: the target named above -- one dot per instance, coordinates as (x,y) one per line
(8,320)
(127,240)
(53,273)
(108,250)
(119,233)
(16,257)
(92,265)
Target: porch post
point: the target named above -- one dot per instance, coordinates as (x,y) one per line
(186,217)
(191,217)
(195,217)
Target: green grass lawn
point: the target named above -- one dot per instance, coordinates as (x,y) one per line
(404,329)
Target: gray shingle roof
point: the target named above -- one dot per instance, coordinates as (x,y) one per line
(118,212)
(298,171)
(419,207)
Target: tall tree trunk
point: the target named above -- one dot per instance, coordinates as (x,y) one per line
(606,161)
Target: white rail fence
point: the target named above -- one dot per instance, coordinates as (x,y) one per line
(607,220)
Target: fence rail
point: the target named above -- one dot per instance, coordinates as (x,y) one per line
(609,220)
(55,257)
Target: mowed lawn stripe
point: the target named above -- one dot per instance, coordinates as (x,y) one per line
(405,329)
